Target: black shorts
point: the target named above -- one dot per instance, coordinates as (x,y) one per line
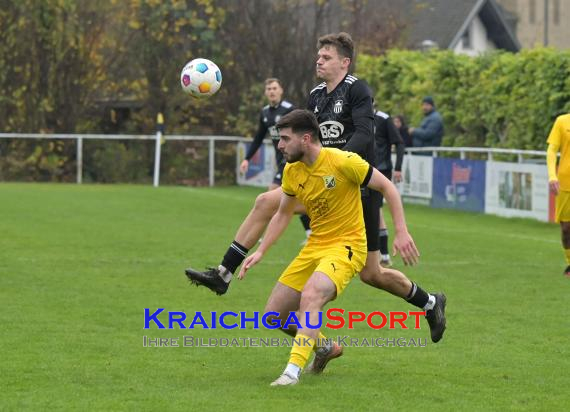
(370,206)
(388,174)
(279,175)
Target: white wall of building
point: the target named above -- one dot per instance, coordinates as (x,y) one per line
(478,40)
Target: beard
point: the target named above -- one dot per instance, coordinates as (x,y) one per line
(293,157)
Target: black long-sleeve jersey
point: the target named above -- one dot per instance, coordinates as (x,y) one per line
(268,118)
(385,135)
(345,116)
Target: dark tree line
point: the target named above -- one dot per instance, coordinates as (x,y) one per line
(68,63)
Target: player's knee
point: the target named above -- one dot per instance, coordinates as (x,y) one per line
(265,204)
(311,299)
(374,276)
(272,309)
(268,308)
(366,277)
(272,317)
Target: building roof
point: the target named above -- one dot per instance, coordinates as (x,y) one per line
(445,21)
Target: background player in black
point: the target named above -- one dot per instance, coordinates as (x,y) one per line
(268,118)
(346,121)
(385,135)
(343,107)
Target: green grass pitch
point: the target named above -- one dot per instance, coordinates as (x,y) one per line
(78,265)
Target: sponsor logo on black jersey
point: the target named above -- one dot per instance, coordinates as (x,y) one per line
(338,106)
(331,130)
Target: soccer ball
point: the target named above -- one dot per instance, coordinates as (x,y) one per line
(201,78)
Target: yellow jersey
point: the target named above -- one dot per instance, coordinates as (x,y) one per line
(330,191)
(559,138)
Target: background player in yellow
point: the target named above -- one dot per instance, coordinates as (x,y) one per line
(327,182)
(559,141)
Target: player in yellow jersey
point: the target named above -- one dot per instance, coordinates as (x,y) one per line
(342,105)
(559,141)
(327,182)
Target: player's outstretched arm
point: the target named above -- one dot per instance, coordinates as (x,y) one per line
(551,157)
(403,242)
(276,226)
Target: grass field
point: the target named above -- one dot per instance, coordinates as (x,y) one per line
(78,265)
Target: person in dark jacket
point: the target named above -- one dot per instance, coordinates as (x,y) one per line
(430,131)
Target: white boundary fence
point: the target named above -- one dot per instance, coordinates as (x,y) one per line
(159,138)
(488,151)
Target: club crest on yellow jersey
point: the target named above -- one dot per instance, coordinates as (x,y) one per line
(330,182)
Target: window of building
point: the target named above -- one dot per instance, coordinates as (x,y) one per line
(532,11)
(466,38)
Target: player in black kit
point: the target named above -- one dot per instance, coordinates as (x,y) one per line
(386,135)
(343,107)
(269,116)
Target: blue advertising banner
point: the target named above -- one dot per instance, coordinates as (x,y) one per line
(256,163)
(459,184)
(261,165)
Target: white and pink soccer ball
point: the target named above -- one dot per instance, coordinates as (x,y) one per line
(201,78)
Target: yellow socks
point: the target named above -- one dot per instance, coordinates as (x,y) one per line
(302,347)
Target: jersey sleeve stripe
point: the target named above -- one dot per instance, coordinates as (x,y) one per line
(368,176)
(320,86)
(382,114)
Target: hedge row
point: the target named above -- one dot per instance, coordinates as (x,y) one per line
(495,100)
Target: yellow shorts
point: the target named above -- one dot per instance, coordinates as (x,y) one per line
(339,263)
(562,207)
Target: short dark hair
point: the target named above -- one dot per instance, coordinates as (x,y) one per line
(273,80)
(341,41)
(428,100)
(301,121)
